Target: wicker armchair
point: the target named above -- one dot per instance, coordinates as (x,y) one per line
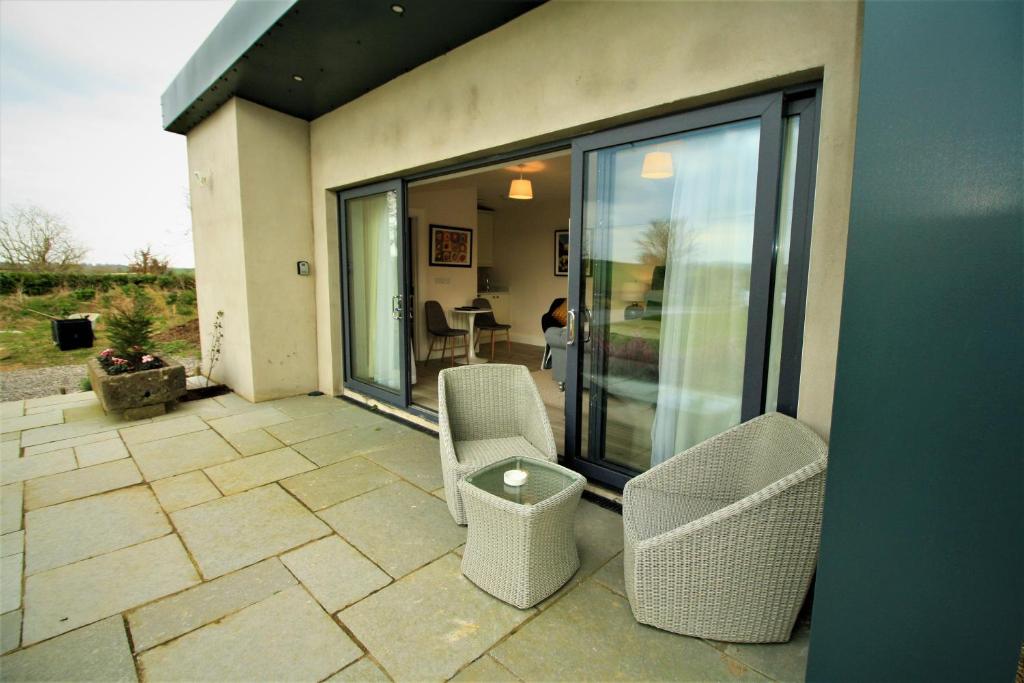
(721,540)
(487,413)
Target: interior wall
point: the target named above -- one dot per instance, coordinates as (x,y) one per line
(706,52)
(217,237)
(524,262)
(447,285)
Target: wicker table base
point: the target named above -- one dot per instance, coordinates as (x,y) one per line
(521,545)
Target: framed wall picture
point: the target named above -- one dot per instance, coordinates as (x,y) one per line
(562,253)
(451,247)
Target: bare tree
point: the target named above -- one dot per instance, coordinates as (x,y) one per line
(146,262)
(35,239)
(665,239)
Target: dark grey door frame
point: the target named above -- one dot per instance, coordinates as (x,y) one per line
(770,108)
(403,397)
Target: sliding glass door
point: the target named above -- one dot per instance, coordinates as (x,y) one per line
(376,327)
(677,225)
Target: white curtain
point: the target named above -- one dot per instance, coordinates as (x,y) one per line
(707,278)
(373,236)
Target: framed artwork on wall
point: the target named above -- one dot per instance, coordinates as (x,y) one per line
(562,253)
(451,247)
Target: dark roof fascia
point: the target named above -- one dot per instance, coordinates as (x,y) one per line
(243,25)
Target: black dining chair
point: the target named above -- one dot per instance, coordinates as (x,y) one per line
(486,321)
(437,326)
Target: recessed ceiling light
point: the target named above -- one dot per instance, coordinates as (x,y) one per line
(297,77)
(398,9)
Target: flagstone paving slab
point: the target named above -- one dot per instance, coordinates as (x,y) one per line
(326,486)
(420,465)
(306,428)
(162,430)
(334,572)
(206,408)
(398,526)
(10,632)
(60,399)
(80,483)
(230,533)
(10,450)
(285,637)
(485,669)
(252,442)
(96,437)
(11,501)
(430,624)
(548,648)
(37,466)
(598,539)
(10,587)
(256,470)
(65,598)
(12,543)
(184,453)
(184,490)
(248,420)
(332,448)
(363,671)
(17,424)
(612,576)
(10,409)
(89,410)
(304,406)
(72,531)
(166,619)
(100,452)
(71,430)
(780,661)
(98,652)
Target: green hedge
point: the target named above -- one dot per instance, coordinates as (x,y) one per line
(34,284)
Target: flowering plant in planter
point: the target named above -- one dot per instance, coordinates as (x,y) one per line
(130,333)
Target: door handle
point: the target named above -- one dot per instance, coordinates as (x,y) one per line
(570,327)
(586,321)
(396,307)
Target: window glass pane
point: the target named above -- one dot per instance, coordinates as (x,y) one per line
(372,233)
(668,231)
(782,244)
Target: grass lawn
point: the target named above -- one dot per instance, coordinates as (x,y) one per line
(26,341)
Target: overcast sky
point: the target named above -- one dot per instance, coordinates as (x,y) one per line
(80,128)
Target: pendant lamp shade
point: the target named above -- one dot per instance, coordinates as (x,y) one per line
(520,189)
(657,165)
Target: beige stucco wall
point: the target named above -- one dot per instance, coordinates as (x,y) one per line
(278,232)
(219,247)
(251,223)
(569,67)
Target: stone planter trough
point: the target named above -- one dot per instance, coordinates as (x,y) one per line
(141,394)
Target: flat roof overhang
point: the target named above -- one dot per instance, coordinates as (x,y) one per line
(340,50)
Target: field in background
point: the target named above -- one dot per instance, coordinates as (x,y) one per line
(26,341)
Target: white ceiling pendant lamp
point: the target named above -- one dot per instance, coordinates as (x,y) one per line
(520,188)
(657,165)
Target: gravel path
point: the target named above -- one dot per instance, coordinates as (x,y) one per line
(16,385)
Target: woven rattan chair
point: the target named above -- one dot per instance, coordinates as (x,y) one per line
(488,413)
(721,540)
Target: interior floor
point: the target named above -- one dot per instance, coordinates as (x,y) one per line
(424,392)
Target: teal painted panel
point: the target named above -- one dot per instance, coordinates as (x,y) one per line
(921,575)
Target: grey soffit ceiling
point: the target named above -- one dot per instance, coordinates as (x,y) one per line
(341,49)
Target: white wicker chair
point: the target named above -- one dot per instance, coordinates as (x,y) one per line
(721,540)
(487,413)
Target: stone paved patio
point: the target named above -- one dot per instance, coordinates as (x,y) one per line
(299,539)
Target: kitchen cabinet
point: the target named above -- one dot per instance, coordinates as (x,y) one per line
(501,305)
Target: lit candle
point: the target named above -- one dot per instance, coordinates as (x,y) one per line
(515,477)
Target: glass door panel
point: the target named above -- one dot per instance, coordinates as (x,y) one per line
(668,226)
(375,325)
